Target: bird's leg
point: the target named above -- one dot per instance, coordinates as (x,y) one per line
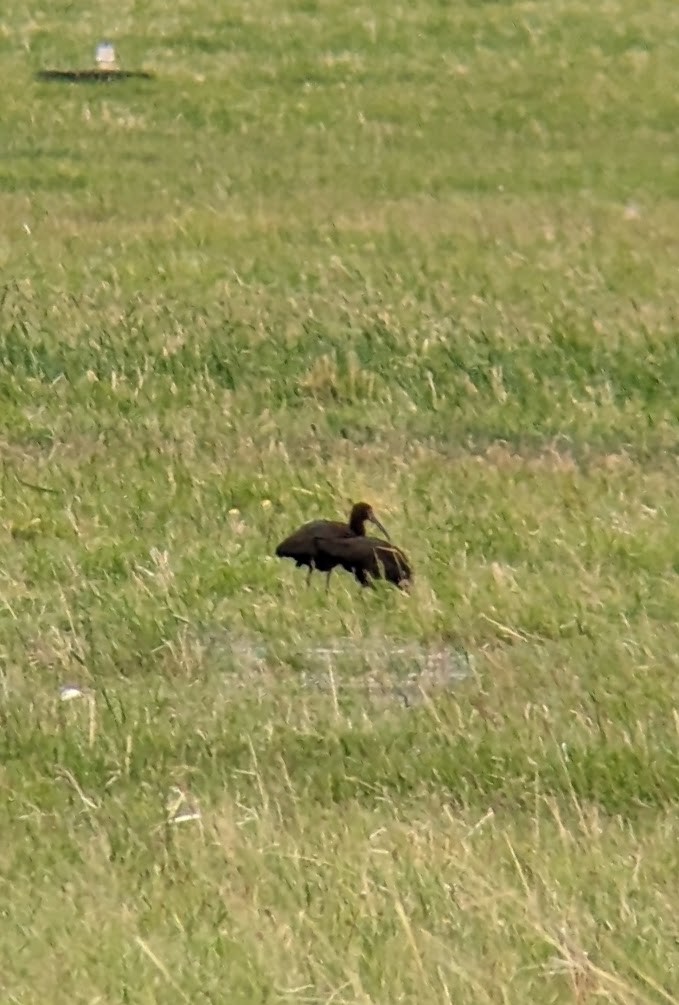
(363,578)
(327,581)
(308,577)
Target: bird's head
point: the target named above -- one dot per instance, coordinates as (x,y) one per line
(362,513)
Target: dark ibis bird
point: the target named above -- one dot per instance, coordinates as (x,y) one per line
(368,558)
(312,543)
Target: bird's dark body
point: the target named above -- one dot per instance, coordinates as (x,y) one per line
(326,544)
(367,558)
(302,545)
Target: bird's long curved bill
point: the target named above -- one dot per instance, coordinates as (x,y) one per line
(373,519)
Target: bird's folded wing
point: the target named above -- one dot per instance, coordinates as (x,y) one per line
(354,547)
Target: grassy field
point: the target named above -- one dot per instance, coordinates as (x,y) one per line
(423,254)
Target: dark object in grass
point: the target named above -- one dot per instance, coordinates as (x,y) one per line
(92,76)
(326,544)
(304,545)
(367,558)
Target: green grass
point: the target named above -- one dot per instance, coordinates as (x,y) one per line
(421,254)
